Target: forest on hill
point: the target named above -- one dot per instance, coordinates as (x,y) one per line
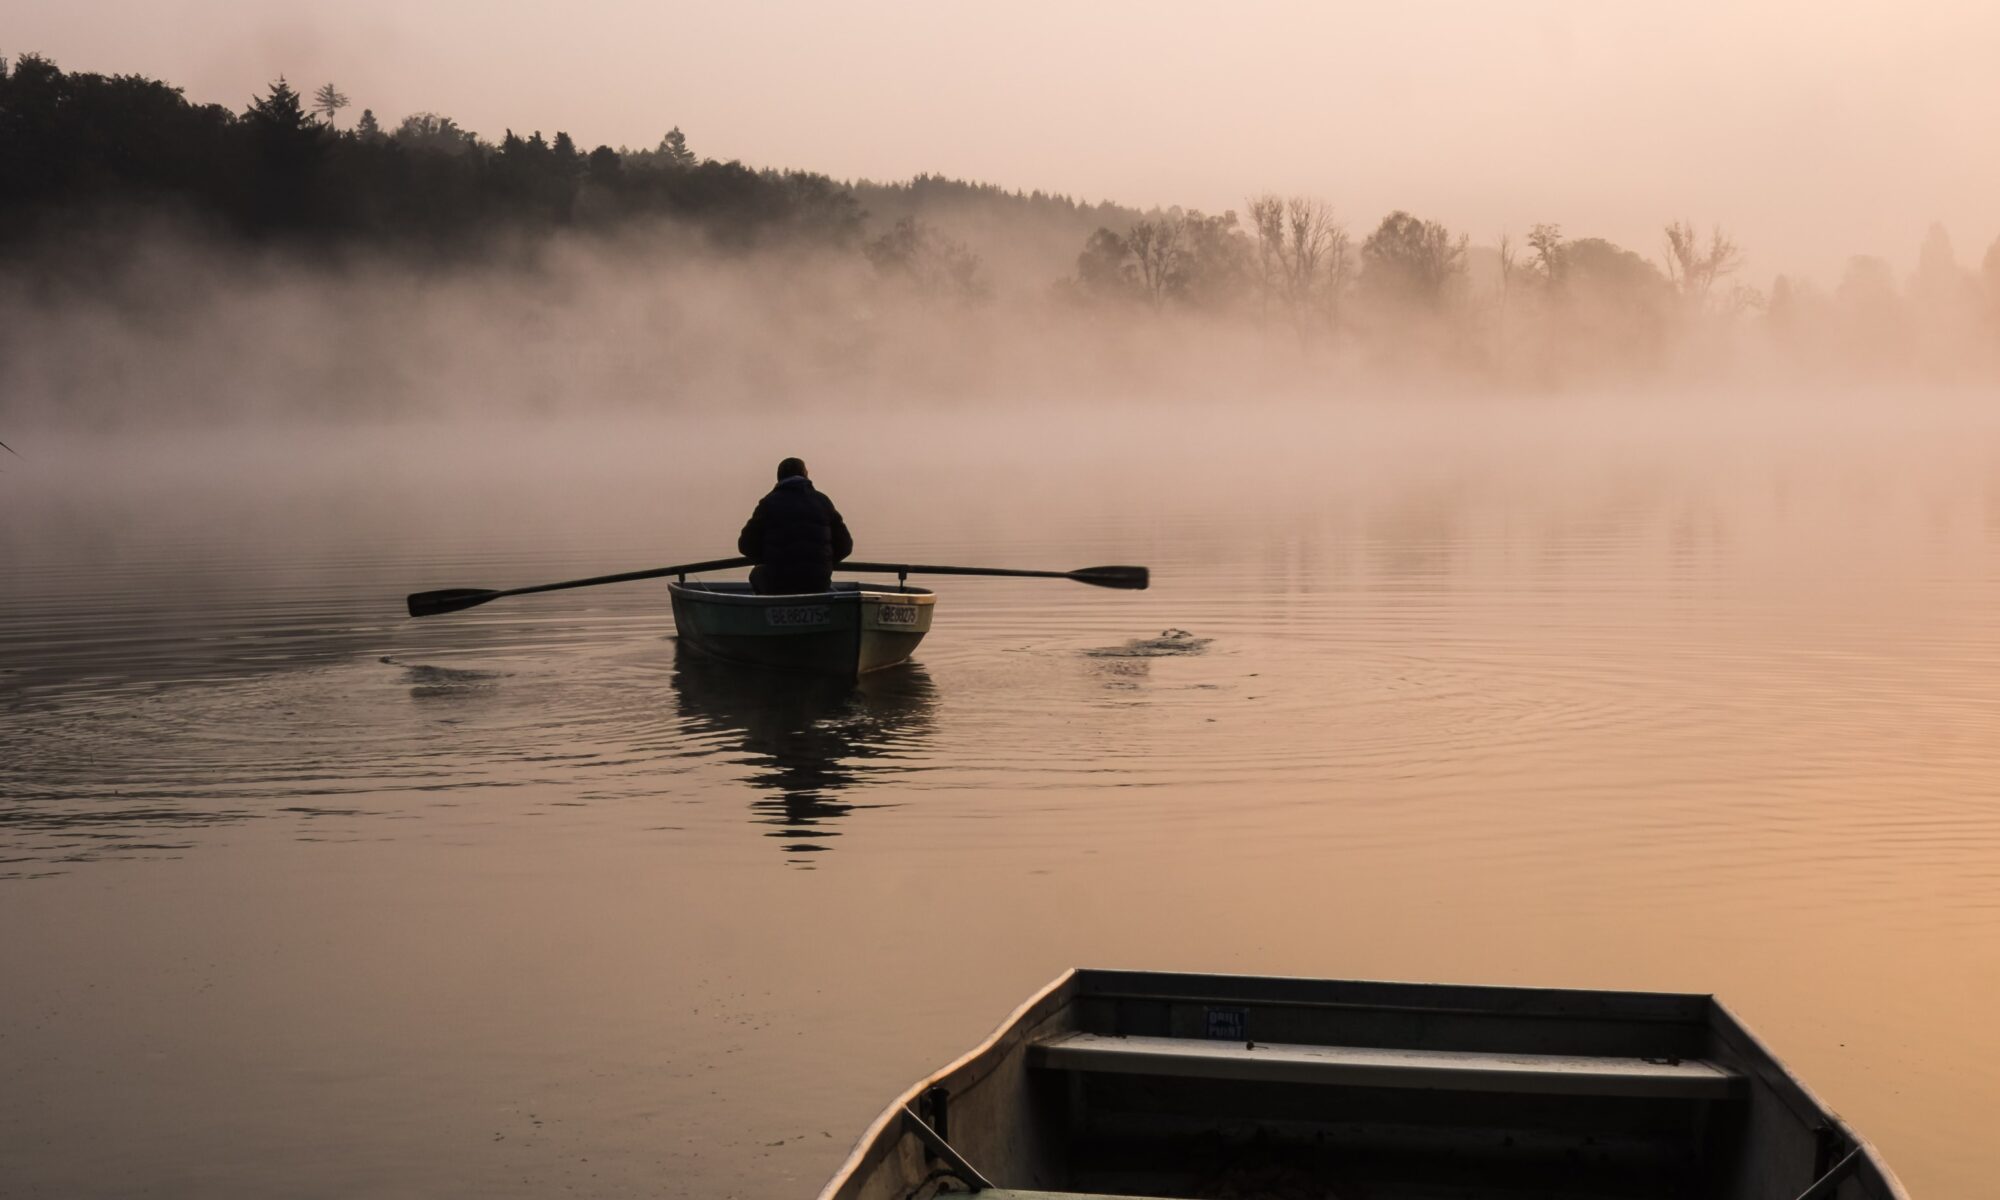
(89,162)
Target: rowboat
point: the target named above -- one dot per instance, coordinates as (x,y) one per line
(1121,1083)
(847,632)
(844,632)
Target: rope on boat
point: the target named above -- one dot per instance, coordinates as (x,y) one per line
(942,1149)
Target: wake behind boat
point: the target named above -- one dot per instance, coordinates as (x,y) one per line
(1122,1083)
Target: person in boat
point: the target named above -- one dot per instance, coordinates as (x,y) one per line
(794,537)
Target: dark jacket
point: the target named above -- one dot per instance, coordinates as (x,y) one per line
(794,537)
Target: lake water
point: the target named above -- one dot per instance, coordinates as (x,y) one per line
(301,897)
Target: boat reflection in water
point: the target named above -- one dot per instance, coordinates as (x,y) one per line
(810,742)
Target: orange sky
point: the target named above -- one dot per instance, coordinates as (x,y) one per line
(1812,130)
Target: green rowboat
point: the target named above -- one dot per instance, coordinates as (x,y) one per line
(847,632)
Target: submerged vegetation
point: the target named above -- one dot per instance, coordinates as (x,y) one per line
(90,165)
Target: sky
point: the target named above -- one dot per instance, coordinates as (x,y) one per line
(1811,131)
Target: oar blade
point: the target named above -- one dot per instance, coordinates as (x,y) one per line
(1132,578)
(430,604)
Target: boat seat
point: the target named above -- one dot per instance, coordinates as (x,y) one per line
(1362,1066)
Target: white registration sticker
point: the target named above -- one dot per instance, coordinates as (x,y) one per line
(798,614)
(899,614)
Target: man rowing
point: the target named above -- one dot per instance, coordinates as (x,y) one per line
(794,537)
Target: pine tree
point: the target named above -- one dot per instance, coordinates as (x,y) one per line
(328,101)
(280,112)
(287,146)
(366,129)
(674,147)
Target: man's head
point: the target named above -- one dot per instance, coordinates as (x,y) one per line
(791,467)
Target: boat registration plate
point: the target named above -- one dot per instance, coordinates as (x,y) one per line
(898,614)
(798,614)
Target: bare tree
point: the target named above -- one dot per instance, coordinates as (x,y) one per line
(1550,261)
(1267,228)
(1158,250)
(1507,258)
(1693,268)
(328,101)
(1304,263)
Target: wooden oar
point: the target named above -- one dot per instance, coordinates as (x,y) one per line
(1134,578)
(430,604)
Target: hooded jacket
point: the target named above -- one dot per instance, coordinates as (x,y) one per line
(796,535)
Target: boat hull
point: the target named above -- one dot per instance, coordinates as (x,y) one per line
(1159,1085)
(844,633)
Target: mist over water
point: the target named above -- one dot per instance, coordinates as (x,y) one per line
(156,327)
(1572,495)
(1583,692)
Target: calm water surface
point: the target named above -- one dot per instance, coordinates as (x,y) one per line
(299,897)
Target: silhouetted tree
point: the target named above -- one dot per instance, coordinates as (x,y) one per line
(920,256)
(286,146)
(1179,257)
(1547,243)
(366,128)
(1939,282)
(1214,263)
(1694,268)
(567,164)
(427,131)
(1104,270)
(1618,305)
(1410,261)
(674,149)
(328,101)
(280,113)
(1303,262)
(1156,254)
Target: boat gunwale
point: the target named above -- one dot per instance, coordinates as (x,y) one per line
(1056,995)
(1796,1094)
(857,593)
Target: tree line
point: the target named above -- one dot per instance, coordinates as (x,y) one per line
(77,143)
(1545,305)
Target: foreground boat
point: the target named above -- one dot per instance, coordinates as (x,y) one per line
(1117,1083)
(846,632)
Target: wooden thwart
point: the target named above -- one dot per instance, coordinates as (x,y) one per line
(1359,1066)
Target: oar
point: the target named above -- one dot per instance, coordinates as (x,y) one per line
(430,604)
(1134,578)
